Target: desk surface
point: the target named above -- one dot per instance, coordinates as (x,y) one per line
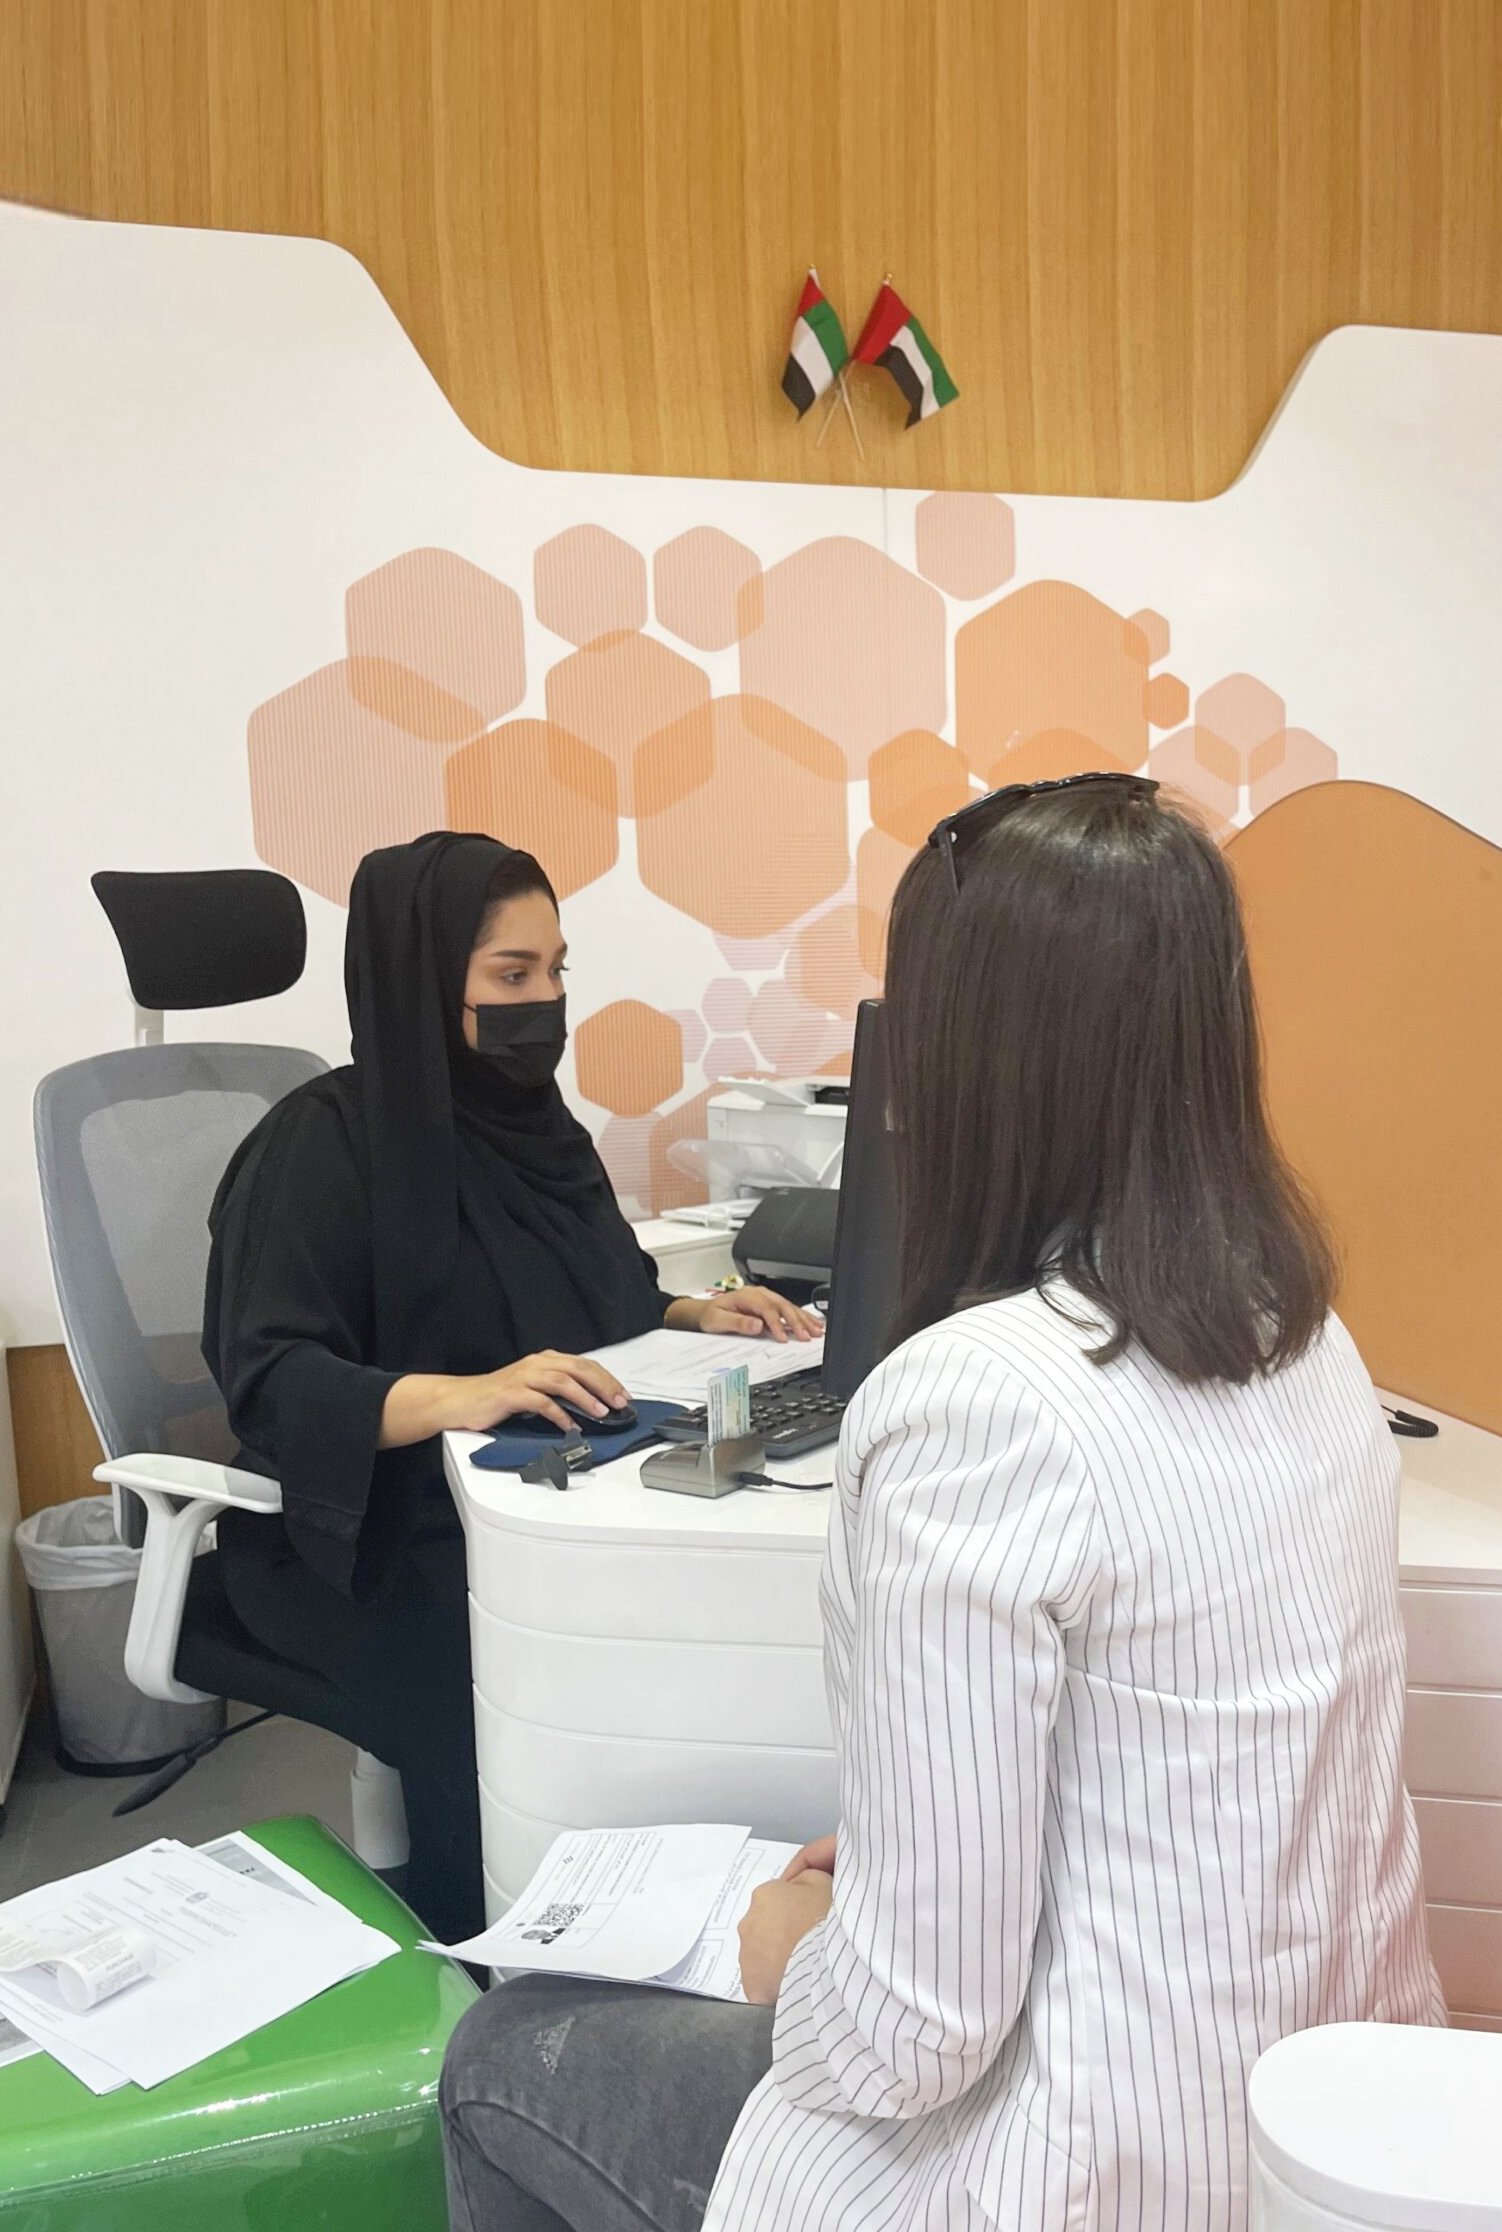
(1450,1515)
(611,1505)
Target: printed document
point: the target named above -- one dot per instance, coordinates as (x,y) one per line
(217,1954)
(676,1366)
(636,1906)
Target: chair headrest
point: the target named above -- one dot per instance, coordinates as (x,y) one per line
(207,937)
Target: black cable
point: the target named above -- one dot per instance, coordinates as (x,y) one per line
(175,1769)
(1409,1427)
(765,1480)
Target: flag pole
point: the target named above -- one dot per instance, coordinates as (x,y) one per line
(830,409)
(850,414)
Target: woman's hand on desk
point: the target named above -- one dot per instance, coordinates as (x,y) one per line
(428,1403)
(779,1917)
(752,1310)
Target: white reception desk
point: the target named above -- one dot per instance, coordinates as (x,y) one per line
(645,1657)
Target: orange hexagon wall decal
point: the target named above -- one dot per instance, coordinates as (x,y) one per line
(533,785)
(629,1058)
(751,832)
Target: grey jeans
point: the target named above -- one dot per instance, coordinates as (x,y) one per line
(596,2107)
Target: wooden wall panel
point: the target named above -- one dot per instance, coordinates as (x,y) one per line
(56,1445)
(1124,221)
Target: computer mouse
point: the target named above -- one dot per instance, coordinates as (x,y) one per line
(614,1422)
(533,1422)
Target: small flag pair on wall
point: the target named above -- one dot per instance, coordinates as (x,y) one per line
(890,337)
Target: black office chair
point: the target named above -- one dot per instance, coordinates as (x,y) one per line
(131,1146)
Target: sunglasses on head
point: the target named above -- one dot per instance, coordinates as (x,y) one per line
(951,836)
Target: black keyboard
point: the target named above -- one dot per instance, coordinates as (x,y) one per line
(787,1416)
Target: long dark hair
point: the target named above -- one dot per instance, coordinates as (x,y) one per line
(1076,1090)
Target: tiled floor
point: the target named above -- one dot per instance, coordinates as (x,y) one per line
(55,1822)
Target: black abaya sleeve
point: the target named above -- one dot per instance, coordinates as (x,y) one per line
(288,1326)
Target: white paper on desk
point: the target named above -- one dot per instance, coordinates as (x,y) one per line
(231,1955)
(14,2046)
(622,1904)
(676,1366)
(712,1968)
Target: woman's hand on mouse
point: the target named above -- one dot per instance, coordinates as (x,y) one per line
(427,1403)
(752,1310)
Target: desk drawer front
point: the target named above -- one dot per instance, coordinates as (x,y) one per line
(1453,1744)
(1454,1637)
(708,1693)
(674,1593)
(1467,1946)
(1462,1844)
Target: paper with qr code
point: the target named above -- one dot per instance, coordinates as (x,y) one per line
(622,1904)
(729,1405)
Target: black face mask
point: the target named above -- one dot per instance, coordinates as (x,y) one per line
(524,1038)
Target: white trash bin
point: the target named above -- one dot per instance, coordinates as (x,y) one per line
(84,1580)
(1378,2127)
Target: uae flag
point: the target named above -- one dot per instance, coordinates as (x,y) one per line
(818,349)
(893,338)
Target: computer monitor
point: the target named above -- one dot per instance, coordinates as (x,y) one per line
(863,1277)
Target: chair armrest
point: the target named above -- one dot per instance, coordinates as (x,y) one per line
(191,1477)
(181,1496)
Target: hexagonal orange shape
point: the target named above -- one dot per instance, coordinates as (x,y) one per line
(1153,629)
(330,781)
(743,817)
(700,582)
(966,545)
(432,612)
(1211,788)
(1242,712)
(850,643)
(827,964)
(586,583)
(1166,701)
(533,785)
(619,691)
(628,1057)
(1292,760)
(1046,659)
(915,781)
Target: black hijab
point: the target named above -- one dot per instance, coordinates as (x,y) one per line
(451,1141)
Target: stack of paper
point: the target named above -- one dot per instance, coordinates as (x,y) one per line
(134,1971)
(636,1906)
(676,1366)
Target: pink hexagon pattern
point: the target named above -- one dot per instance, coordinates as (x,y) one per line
(743,803)
(966,544)
(1292,760)
(433,614)
(705,588)
(851,643)
(330,781)
(1242,712)
(586,583)
(617,692)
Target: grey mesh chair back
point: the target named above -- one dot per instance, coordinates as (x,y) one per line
(131,1147)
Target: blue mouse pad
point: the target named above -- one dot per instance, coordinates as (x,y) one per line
(507,1451)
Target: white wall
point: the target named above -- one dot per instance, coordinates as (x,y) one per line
(205,438)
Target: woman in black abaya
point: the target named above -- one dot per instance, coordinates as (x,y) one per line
(424,1240)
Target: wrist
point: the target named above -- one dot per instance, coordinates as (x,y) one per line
(685,1313)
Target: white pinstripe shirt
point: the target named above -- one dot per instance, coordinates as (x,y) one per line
(1117,1679)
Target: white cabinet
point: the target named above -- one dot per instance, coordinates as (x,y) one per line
(15,1609)
(1450,1553)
